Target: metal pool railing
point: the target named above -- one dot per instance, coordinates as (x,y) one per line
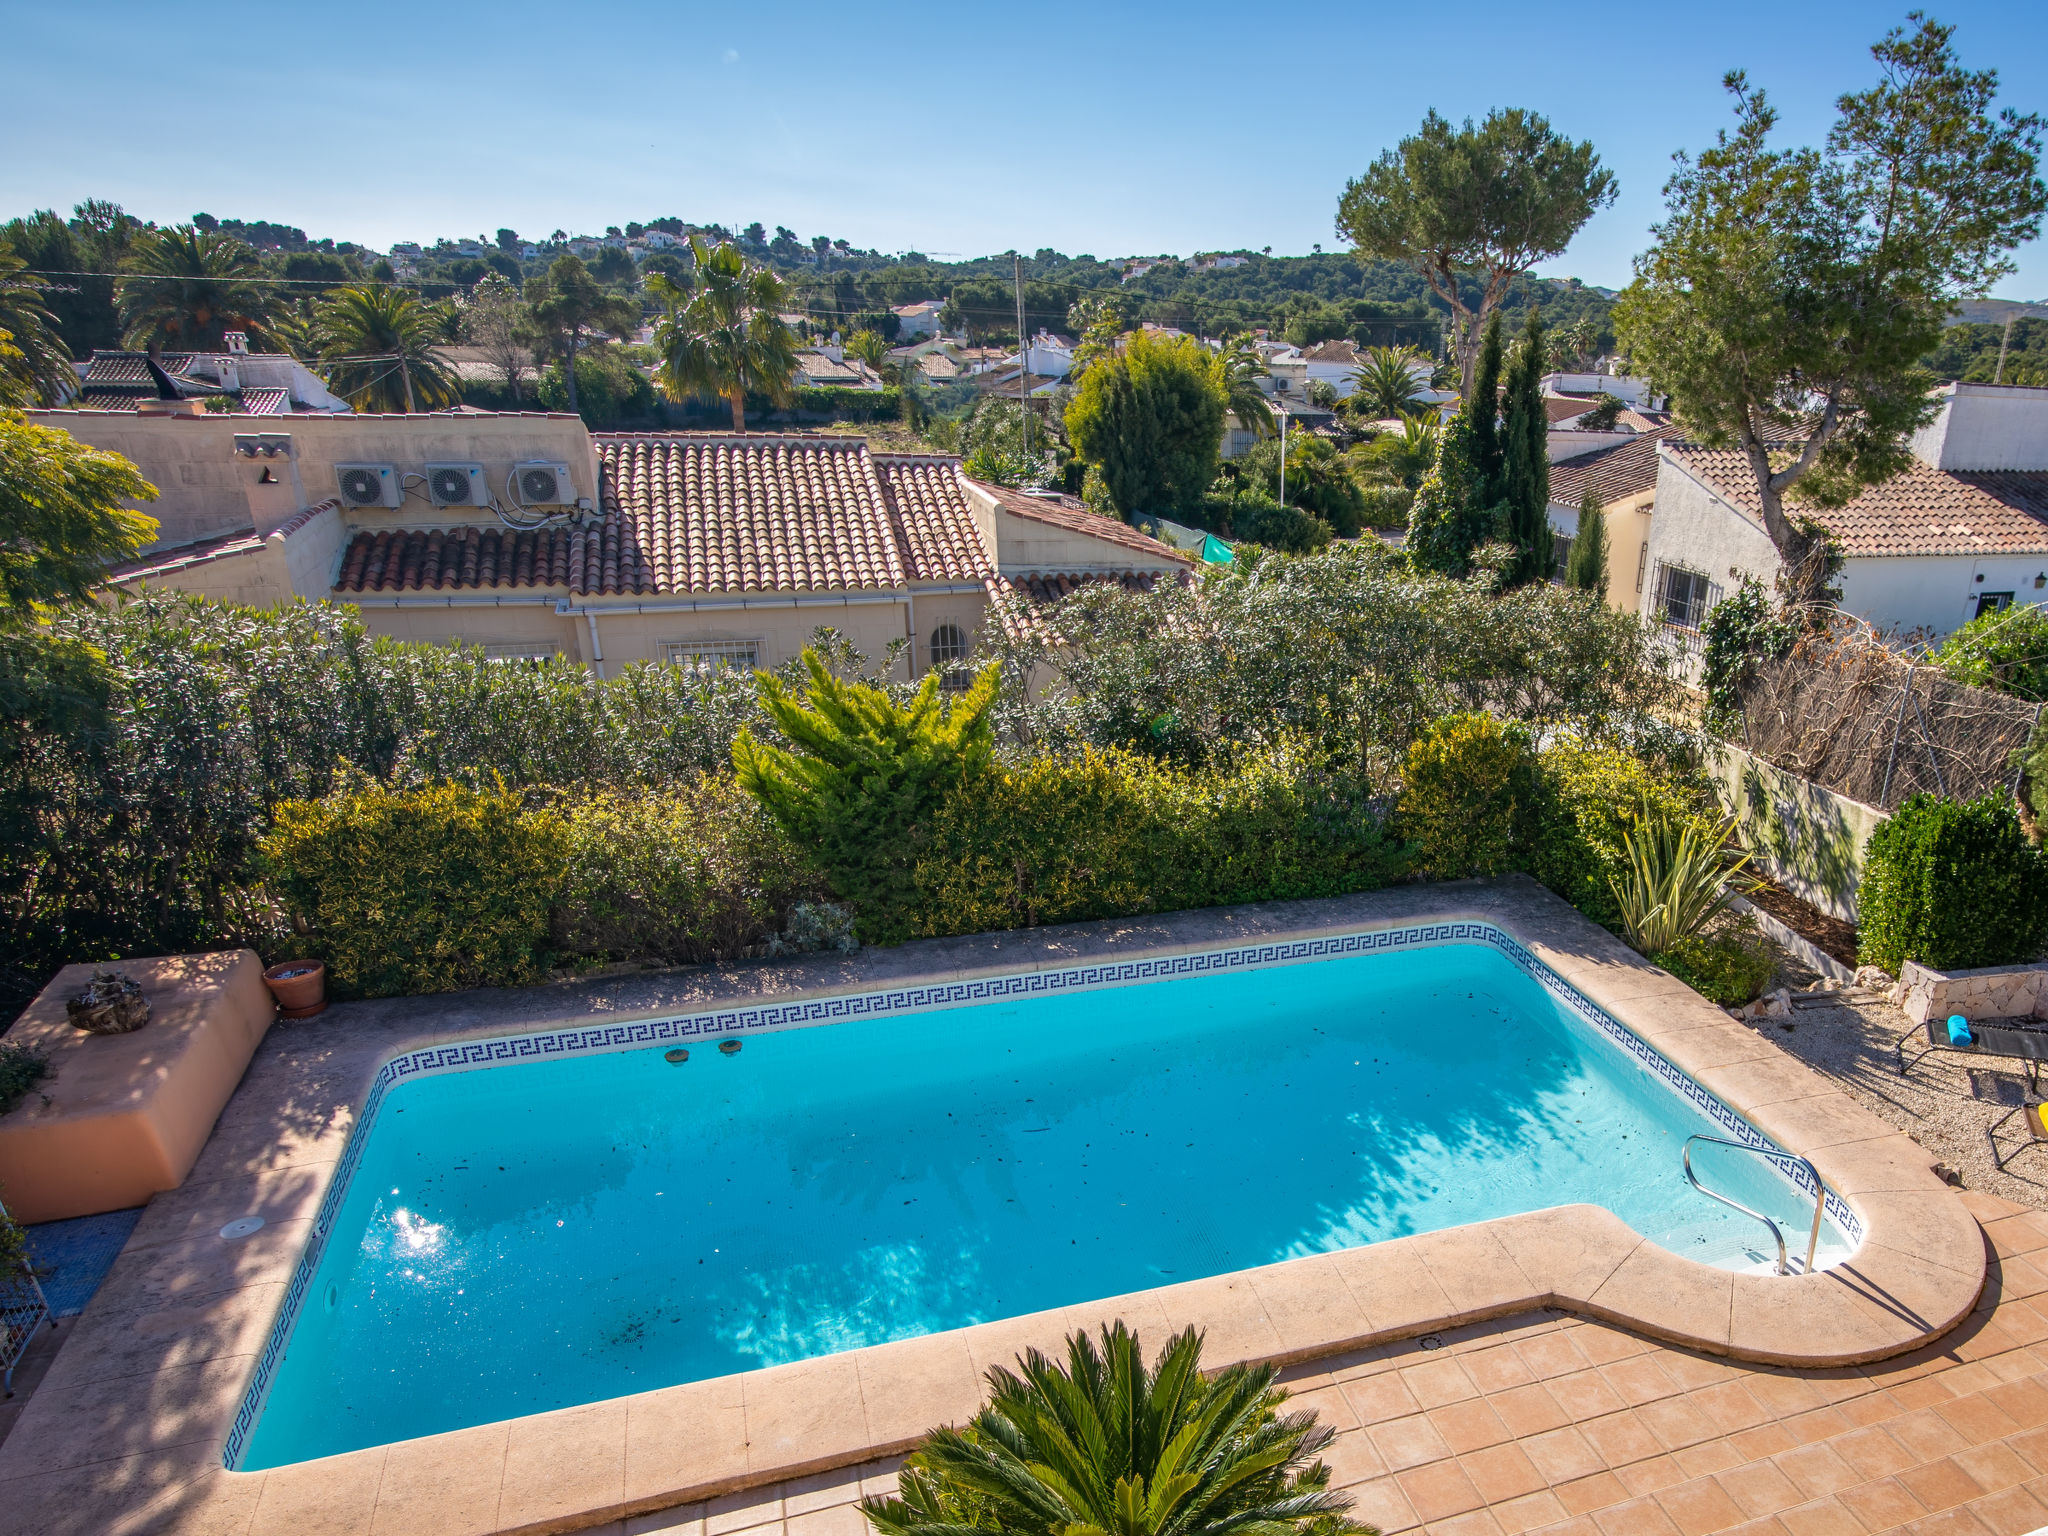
(1820,1194)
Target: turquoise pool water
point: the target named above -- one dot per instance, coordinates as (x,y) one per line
(530,1236)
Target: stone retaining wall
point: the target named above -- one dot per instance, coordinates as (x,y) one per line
(1991,992)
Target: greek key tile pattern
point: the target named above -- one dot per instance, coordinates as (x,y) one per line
(802,1012)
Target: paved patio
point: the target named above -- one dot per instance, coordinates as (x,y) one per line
(1546,1423)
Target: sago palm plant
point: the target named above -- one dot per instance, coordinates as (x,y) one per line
(1105,1447)
(1679,878)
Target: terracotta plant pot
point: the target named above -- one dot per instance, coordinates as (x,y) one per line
(300,987)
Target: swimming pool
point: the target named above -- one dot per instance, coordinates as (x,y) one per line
(528,1224)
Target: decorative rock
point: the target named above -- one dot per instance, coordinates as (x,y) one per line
(1874,977)
(112,1004)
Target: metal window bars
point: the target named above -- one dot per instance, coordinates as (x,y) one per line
(23,1309)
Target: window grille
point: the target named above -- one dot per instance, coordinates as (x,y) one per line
(516,651)
(1992,602)
(1560,555)
(948,647)
(1683,597)
(708,656)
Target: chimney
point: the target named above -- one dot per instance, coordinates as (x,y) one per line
(268,467)
(238,343)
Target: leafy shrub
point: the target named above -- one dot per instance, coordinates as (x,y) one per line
(1740,631)
(1110,834)
(680,876)
(1952,885)
(1592,796)
(1675,881)
(610,390)
(15,1263)
(1288,529)
(427,890)
(1467,787)
(21,1068)
(1729,966)
(2006,650)
(861,776)
(1385,504)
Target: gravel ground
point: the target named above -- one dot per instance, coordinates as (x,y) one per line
(1848,1036)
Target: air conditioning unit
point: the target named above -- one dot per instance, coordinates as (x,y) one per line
(458,485)
(369,485)
(542,484)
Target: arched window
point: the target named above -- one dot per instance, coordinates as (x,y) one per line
(949,645)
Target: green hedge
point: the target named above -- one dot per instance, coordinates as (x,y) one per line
(1110,834)
(429,890)
(1952,885)
(849,404)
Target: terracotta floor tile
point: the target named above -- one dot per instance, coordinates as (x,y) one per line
(1871,1452)
(1604,1344)
(1940,1484)
(2010,1510)
(1641,1379)
(1870,1408)
(1925,1434)
(1949,1522)
(1497,1368)
(1764,1440)
(1815,1424)
(1710,1456)
(1769,1525)
(1553,1354)
(1353,1458)
(2025,1402)
(1760,1488)
(1562,1455)
(1385,1396)
(1730,1407)
(1436,1382)
(1382,1503)
(1621,1438)
(1638,1517)
(1881,1505)
(1478,1522)
(1977,1418)
(1922,1392)
(1529,1512)
(1438,1490)
(1676,1422)
(1469,1425)
(1824,1517)
(1528,1410)
(1817,1470)
(1993,1466)
(1502,1472)
(1408,1442)
(1576,1525)
(1585,1394)
(1781,1395)
(1700,1506)
(1590,1493)
(1655,1474)
(2032,1446)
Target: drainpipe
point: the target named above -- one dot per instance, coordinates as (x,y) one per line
(910,622)
(596,646)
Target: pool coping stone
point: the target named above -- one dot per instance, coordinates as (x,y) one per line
(127,1436)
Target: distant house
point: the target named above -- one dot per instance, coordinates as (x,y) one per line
(662,240)
(1622,476)
(180,383)
(919,319)
(1961,531)
(1133,269)
(1214,263)
(1591,386)
(830,367)
(1049,355)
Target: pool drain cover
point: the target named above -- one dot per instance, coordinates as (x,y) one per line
(241,1226)
(729,1047)
(676,1057)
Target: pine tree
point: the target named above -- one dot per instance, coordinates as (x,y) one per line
(1525,459)
(1586,566)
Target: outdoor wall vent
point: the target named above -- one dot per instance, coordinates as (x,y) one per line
(369,485)
(458,485)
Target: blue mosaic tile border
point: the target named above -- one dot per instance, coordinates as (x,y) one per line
(801,1012)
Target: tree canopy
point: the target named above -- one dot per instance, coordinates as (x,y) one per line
(35,365)
(377,348)
(186,287)
(1150,418)
(725,334)
(569,308)
(1791,293)
(62,522)
(1489,202)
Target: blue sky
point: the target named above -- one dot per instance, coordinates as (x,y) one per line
(964,128)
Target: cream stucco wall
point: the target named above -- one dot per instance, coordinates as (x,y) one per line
(1628,525)
(203,487)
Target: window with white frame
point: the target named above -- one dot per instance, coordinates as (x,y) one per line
(520,650)
(948,649)
(707,656)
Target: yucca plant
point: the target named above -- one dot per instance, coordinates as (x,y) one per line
(1105,1447)
(1677,880)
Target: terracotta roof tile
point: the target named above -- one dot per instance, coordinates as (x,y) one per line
(1919,511)
(441,559)
(1017,601)
(929,515)
(1625,469)
(1066,512)
(266,402)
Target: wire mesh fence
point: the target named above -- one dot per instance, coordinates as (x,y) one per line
(1846,712)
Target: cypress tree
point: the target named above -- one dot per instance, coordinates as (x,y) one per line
(1525,459)
(1458,507)
(1586,566)
(1482,410)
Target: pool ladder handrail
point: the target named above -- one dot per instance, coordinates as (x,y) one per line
(1820,1193)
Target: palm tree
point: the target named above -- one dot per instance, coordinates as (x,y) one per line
(1106,1446)
(377,347)
(869,347)
(34,362)
(726,335)
(189,287)
(1386,381)
(1238,370)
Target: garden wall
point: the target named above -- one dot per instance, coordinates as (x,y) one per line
(1992,992)
(1808,839)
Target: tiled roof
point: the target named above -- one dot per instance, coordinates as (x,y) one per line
(1332,352)
(1565,407)
(108,369)
(266,402)
(1066,512)
(929,515)
(178,557)
(1626,469)
(746,514)
(1919,511)
(436,559)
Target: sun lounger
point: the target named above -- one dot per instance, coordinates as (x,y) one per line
(2004,1093)
(2009,1041)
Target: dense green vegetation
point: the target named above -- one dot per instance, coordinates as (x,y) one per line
(1952,885)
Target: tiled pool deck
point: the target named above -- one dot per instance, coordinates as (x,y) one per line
(125,1431)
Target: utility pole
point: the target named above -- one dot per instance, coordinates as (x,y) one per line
(1023,351)
(1283,455)
(405,373)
